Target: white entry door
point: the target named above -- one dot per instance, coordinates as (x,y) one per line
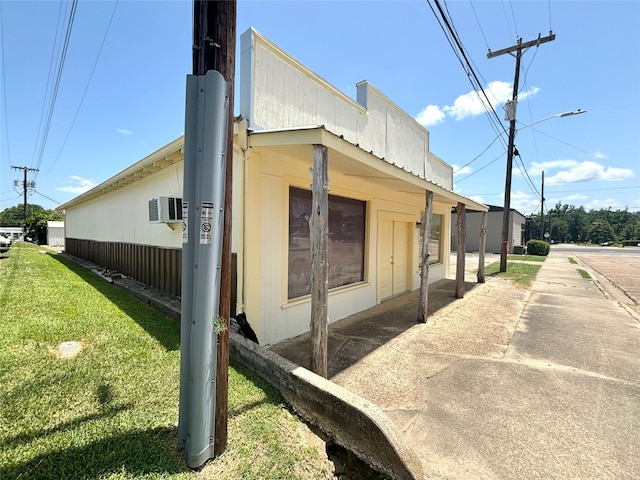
(394,243)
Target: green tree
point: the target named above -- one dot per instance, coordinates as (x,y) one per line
(14,216)
(35,226)
(599,231)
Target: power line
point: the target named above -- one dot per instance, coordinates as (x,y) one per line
(57,40)
(48,198)
(4,85)
(480,169)
(577,148)
(75,117)
(54,96)
(452,37)
(479,25)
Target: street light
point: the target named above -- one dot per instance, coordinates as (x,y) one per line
(510,109)
(557,115)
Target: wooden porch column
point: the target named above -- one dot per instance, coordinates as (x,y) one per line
(424,259)
(481,246)
(461,229)
(319,231)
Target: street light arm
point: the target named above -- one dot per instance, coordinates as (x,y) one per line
(557,115)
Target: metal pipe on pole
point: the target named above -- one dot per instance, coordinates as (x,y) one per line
(206,229)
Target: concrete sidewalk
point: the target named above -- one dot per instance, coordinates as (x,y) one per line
(505,383)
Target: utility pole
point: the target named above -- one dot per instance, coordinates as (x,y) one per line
(25,185)
(542,209)
(206,252)
(510,109)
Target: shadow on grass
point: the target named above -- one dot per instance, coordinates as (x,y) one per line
(137,453)
(28,437)
(155,323)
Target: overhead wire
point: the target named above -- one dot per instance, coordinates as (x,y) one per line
(55,48)
(482,168)
(461,55)
(595,157)
(75,117)
(4,85)
(48,198)
(54,96)
(470,68)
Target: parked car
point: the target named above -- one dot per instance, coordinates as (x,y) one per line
(5,244)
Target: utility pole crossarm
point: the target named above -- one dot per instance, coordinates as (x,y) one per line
(520,45)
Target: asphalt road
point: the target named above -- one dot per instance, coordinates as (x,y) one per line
(616,269)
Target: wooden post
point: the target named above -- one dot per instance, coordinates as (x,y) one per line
(319,230)
(214,34)
(424,259)
(481,246)
(461,229)
(225,16)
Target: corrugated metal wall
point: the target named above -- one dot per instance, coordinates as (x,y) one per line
(157,267)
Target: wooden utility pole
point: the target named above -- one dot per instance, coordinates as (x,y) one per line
(214,40)
(461,230)
(542,209)
(319,232)
(423,304)
(481,246)
(24,186)
(519,48)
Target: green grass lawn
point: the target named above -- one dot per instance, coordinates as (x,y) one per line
(527,258)
(110,412)
(522,274)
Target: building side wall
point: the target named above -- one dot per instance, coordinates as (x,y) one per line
(494,231)
(123,216)
(269,176)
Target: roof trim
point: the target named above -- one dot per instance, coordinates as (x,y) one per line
(319,135)
(164,157)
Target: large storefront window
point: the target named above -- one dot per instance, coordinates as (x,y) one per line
(346,241)
(434,238)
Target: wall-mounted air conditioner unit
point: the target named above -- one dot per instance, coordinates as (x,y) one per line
(165,210)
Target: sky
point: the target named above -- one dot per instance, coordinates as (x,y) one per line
(120,93)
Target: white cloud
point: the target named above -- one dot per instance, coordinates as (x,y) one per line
(606,203)
(79,185)
(589,171)
(461,171)
(124,131)
(537,167)
(599,155)
(430,115)
(524,202)
(471,103)
(575,196)
(477,198)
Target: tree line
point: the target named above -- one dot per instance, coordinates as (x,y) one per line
(567,224)
(35,225)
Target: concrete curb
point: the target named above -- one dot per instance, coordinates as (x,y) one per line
(350,420)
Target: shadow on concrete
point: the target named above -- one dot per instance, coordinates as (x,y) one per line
(353,338)
(150,319)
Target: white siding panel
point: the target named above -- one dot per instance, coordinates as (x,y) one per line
(123,216)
